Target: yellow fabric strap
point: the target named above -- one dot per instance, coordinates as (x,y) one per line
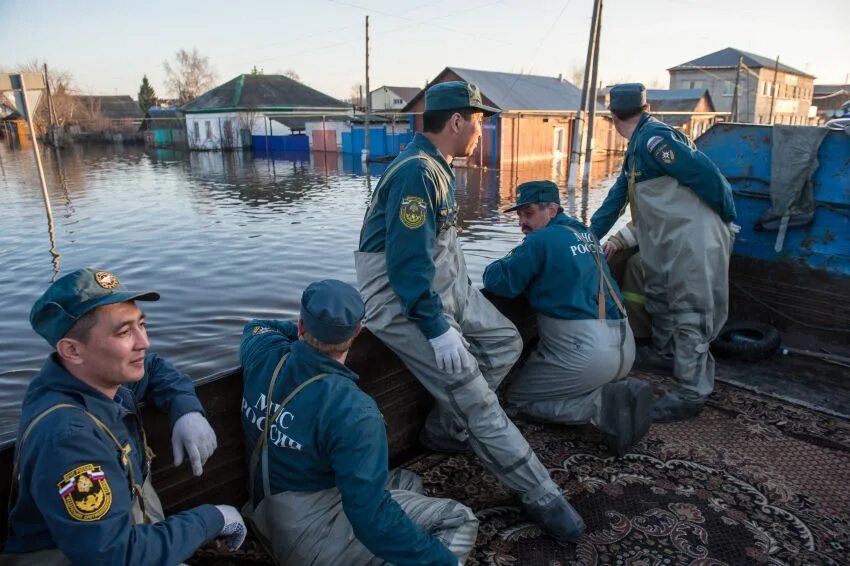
(603,279)
(135,487)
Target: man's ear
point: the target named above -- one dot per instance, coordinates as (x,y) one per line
(359,329)
(300,328)
(70,351)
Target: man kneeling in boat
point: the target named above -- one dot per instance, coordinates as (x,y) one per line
(320,489)
(81,487)
(575,374)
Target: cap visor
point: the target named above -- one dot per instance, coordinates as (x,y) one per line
(513,208)
(488,110)
(121,297)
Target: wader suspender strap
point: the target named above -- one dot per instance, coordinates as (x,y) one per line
(134,487)
(386,176)
(633,177)
(261,449)
(603,279)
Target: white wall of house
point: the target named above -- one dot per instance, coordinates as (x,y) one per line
(385,99)
(214,130)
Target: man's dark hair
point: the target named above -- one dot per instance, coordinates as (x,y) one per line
(542,205)
(82,327)
(434,121)
(629,114)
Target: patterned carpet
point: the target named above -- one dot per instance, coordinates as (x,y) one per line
(750,481)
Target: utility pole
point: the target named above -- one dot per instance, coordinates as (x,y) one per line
(365,155)
(33,134)
(774,89)
(591,115)
(735,95)
(578,126)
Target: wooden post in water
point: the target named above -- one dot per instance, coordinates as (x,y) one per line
(33,134)
(591,114)
(368,105)
(578,130)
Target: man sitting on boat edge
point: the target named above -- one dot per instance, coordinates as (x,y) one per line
(81,489)
(576,373)
(317,445)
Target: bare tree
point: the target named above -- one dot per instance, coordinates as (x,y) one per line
(189,75)
(576,75)
(292,75)
(358,98)
(61,90)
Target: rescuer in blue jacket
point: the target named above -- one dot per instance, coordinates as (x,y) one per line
(82,488)
(317,450)
(682,216)
(575,374)
(420,303)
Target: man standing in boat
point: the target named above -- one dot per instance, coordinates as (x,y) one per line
(586,348)
(682,216)
(317,444)
(81,490)
(420,302)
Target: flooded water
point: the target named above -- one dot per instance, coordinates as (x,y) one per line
(224,237)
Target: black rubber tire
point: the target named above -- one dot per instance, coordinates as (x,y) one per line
(746,341)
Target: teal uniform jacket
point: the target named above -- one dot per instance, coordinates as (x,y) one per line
(68,439)
(331,434)
(409,209)
(556,271)
(660,150)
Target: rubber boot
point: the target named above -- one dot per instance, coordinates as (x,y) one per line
(671,407)
(558,519)
(626,407)
(648,359)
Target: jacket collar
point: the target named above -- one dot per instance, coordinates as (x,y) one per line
(644,119)
(561,219)
(425,145)
(57,378)
(318,362)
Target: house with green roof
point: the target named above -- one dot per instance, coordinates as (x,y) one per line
(254,110)
(766,93)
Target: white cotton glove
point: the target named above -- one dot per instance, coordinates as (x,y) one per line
(193,433)
(451,353)
(234,530)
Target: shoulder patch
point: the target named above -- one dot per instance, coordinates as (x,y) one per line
(412,212)
(86,493)
(260,330)
(652,142)
(665,154)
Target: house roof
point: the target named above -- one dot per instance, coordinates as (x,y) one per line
(162,119)
(113,107)
(830,97)
(405,92)
(822,90)
(262,92)
(728,58)
(512,91)
(677,99)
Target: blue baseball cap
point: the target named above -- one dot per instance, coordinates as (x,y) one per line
(627,97)
(331,310)
(73,295)
(536,191)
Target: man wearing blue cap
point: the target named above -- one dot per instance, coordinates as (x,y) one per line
(81,489)
(421,303)
(575,374)
(682,216)
(317,446)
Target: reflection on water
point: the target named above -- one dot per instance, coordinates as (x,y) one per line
(224,237)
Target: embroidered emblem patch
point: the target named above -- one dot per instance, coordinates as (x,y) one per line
(653,141)
(260,330)
(106,279)
(86,493)
(412,212)
(666,155)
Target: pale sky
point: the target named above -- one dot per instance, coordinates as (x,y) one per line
(108,45)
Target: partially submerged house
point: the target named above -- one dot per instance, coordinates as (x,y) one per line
(535,118)
(163,127)
(828,100)
(388,98)
(116,117)
(251,111)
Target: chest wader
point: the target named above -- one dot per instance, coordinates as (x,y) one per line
(467,408)
(311,528)
(146,507)
(562,379)
(684,252)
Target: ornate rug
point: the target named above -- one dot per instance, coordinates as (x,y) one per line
(750,481)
